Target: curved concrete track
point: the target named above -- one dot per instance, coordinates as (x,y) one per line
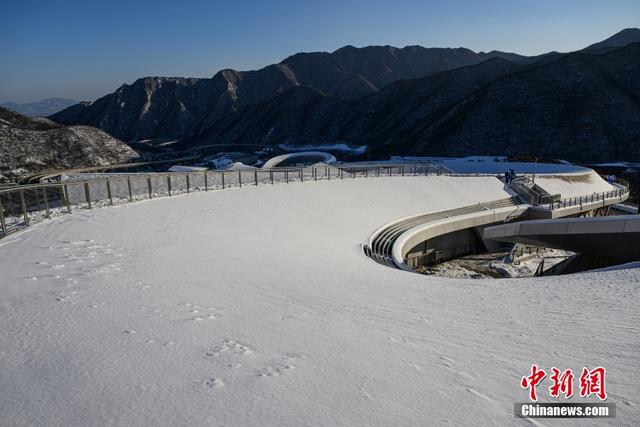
(285,159)
(380,248)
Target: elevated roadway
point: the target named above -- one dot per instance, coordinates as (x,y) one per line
(612,237)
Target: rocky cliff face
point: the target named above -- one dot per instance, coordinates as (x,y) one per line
(307,116)
(582,106)
(29,146)
(167,107)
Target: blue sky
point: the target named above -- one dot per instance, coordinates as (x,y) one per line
(85,49)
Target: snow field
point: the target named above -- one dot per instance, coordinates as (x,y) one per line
(256,306)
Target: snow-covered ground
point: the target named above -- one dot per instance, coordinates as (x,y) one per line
(256,306)
(571,185)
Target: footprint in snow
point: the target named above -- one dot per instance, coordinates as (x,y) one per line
(294,356)
(230,346)
(274,371)
(205,317)
(214,383)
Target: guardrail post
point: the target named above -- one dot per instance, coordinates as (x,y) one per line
(240,178)
(169,184)
(87,195)
(341,174)
(24,207)
(12,211)
(3,224)
(286,176)
(129,187)
(65,196)
(46,202)
(188,183)
(206,183)
(300,174)
(402,170)
(223,180)
(149,187)
(109,192)
(328,172)
(255,177)
(35,190)
(271,175)
(315,174)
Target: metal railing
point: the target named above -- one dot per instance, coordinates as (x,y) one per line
(522,250)
(523,186)
(22,205)
(622,189)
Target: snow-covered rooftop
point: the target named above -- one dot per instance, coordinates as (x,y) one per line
(256,306)
(571,185)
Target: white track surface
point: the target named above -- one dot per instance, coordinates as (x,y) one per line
(571,185)
(256,306)
(322,157)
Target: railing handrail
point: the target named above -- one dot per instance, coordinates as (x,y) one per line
(115,176)
(32,197)
(340,171)
(622,190)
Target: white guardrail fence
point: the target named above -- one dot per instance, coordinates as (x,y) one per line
(22,205)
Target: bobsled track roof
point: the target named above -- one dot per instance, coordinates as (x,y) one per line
(317,156)
(256,306)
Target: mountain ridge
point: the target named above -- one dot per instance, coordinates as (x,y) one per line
(329,97)
(421,117)
(347,73)
(618,40)
(41,108)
